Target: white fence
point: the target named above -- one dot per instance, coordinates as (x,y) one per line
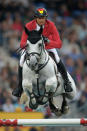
(43,122)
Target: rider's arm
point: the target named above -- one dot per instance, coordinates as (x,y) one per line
(54,38)
(24,36)
(23,39)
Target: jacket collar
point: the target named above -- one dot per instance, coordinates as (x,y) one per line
(34,25)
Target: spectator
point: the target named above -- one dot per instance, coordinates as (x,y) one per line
(8,106)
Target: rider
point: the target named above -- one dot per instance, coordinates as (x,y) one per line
(52,41)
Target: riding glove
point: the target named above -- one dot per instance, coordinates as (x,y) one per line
(46,39)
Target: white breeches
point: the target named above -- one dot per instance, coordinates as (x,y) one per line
(49,50)
(22,59)
(55,54)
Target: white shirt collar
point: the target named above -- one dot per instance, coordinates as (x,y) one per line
(38,27)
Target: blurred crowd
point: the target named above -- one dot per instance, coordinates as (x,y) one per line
(71,21)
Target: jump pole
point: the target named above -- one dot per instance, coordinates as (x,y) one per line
(43,122)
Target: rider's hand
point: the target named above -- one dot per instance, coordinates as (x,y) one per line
(46,39)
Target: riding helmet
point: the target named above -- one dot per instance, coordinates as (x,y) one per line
(40,12)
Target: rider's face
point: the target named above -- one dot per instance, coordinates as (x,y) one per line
(41,21)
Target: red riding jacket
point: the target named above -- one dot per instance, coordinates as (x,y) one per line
(49,31)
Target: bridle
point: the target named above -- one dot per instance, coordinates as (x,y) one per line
(40,66)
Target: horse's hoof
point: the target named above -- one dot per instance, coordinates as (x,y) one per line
(33,106)
(58,112)
(65,109)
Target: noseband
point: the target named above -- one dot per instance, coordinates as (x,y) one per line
(28,55)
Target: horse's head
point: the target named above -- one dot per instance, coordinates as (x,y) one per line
(35,46)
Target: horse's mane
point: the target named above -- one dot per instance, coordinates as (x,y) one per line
(34,37)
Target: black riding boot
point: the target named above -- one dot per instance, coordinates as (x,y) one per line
(18,91)
(62,70)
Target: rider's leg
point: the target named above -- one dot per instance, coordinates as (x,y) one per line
(62,70)
(18,91)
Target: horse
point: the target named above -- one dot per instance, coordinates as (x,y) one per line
(42,83)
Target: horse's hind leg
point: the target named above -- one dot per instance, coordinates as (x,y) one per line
(55,104)
(59,105)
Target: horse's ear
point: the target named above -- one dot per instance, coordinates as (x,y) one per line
(26,30)
(41,30)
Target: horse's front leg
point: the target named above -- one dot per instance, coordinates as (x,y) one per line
(51,84)
(27,86)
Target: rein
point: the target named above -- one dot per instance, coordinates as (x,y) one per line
(37,73)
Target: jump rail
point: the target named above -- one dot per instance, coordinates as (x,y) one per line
(43,122)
